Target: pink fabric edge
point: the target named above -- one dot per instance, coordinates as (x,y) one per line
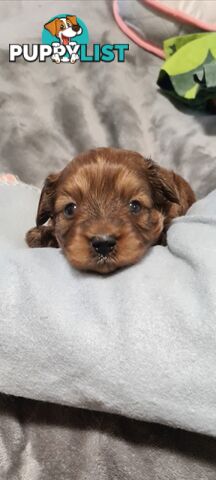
(170,12)
(8,179)
(150,47)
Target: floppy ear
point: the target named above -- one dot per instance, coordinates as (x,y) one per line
(74,23)
(73,19)
(162,183)
(51,27)
(47,198)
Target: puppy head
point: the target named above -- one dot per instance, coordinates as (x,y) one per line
(107,207)
(64,28)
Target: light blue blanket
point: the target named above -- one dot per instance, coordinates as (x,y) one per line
(141,342)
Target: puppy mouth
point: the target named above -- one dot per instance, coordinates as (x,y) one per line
(65,40)
(104,263)
(104,259)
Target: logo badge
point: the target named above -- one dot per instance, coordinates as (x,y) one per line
(65,38)
(66,33)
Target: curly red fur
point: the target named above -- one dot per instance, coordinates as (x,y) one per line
(102,183)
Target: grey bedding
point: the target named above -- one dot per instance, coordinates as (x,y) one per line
(47,115)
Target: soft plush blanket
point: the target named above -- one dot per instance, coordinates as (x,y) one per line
(48,114)
(144,347)
(140,343)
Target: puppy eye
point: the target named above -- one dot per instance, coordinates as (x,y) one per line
(135,206)
(62,27)
(69,209)
(68,24)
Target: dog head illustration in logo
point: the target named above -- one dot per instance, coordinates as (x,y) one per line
(64,29)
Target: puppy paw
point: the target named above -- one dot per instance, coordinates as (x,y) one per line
(74,57)
(56,58)
(39,237)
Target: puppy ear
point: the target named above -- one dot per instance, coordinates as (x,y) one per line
(162,183)
(73,19)
(47,198)
(51,27)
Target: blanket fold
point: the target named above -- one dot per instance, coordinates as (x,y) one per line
(141,342)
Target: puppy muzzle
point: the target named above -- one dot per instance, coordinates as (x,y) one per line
(72,31)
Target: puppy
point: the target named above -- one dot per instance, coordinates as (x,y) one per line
(64,29)
(107,207)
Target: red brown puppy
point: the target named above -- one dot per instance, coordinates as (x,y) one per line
(107,207)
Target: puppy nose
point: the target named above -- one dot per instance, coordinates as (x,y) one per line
(75,28)
(103,244)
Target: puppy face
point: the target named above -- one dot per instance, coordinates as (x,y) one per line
(64,28)
(106,208)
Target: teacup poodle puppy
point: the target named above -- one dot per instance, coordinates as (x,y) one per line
(107,207)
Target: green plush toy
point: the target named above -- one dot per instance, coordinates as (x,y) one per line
(189,71)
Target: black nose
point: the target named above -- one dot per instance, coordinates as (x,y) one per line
(103,244)
(76,27)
